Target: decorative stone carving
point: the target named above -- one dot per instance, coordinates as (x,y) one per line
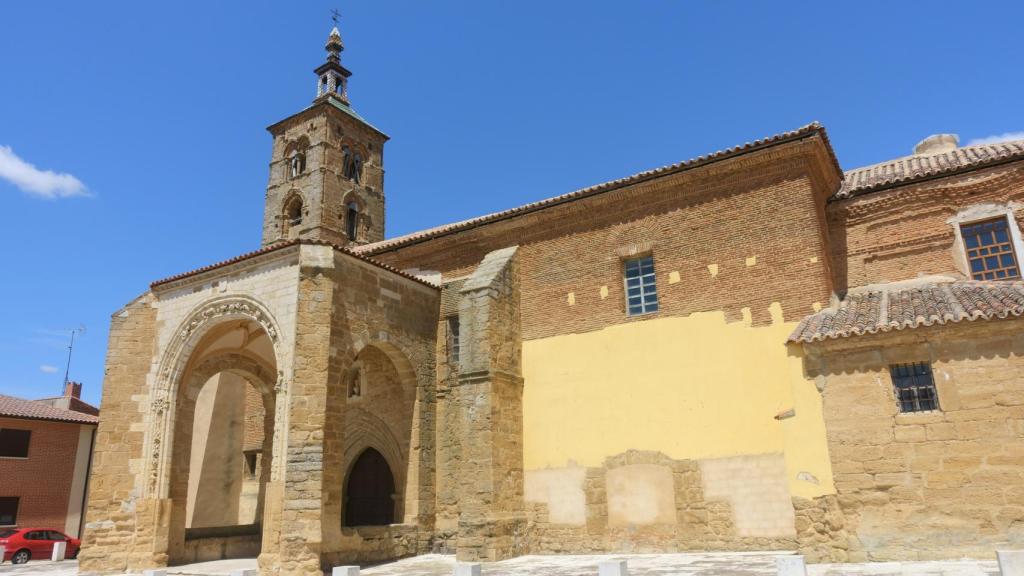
(226,308)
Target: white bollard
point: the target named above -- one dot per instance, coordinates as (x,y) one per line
(462,569)
(60,550)
(612,568)
(345,571)
(1011,562)
(791,565)
(154,573)
(248,572)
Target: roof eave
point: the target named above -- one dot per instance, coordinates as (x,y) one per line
(938,175)
(269,249)
(810,130)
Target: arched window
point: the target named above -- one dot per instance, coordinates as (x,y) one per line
(346,160)
(293,213)
(352,221)
(339,88)
(296,163)
(357,168)
(370,491)
(351,164)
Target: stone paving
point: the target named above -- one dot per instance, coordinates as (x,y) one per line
(722,564)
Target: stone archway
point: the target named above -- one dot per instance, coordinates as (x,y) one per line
(231,342)
(213,514)
(369,491)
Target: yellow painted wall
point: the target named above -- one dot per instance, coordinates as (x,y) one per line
(691,387)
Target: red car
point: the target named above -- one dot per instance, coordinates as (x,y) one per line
(23,544)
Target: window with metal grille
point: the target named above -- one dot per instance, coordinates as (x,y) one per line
(8,511)
(14,442)
(641,289)
(990,250)
(453,341)
(915,388)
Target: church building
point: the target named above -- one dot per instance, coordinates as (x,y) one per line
(749,350)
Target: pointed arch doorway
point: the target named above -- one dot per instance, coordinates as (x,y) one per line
(369,491)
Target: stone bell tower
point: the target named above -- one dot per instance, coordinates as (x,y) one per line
(327,167)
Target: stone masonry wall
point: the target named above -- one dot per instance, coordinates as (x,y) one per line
(114,516)
(483,457)
(320,132)
(387,324)
(942,484)
(646,502)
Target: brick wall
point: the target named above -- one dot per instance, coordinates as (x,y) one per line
(43,480)
(903,232)
(740,234)
(254,414)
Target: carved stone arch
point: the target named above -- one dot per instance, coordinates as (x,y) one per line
(356,224)
(287,217)
(258,373)
(174,364)
(353,197)
(300,144)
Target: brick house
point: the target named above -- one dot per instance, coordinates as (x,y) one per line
(45,452)
(749,350)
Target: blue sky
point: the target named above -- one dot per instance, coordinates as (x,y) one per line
(133,142)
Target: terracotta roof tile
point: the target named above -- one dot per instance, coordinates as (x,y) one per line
(901,305)
(279,245)
(11,407)
(802,132)
(913,168)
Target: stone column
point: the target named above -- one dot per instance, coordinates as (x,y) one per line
(300,512)
(487,400)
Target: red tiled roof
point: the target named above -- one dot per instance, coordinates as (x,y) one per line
(11,407)
(927,166)
(279,245)
(903,305)
(813,128)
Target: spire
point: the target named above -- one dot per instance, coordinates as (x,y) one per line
(334,45)
(332,77)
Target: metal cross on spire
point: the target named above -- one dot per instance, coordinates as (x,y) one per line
(335,16)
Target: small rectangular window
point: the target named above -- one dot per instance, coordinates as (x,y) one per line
(453,340)
(8,511)
(251,461)
(14,442)
(915,388)
(641,288)
(990,250)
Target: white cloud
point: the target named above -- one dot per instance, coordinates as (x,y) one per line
(997,138)
(41,183)
(47,369)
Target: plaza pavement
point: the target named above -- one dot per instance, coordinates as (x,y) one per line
(721,564)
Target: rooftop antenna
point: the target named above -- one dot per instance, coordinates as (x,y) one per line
(71,346)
